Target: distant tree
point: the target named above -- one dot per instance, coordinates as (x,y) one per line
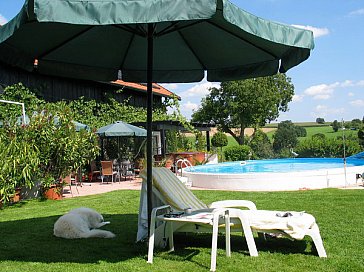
(356,124)
(285,136)
(335,125)
(320,120)
(237,105)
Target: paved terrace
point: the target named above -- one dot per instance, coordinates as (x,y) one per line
(92,188)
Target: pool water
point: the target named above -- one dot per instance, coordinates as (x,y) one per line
(275,165)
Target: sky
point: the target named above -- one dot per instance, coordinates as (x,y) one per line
(329,85)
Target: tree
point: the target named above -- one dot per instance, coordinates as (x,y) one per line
(335,126)
(237,105)
(361,137)
(320,120)
(261,145)
(356,124)
(285,136)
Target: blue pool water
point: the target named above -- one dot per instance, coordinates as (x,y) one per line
(275,165)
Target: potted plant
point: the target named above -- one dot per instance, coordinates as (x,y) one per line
(61,148)
(19,163)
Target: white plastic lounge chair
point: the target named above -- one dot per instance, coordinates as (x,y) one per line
(168,190)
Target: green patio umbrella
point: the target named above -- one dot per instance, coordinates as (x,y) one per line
(121,129)
(149,41)
(78,126)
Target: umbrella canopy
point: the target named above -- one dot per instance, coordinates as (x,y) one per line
(78,126)
(121,129)
(97,39)
(149,41)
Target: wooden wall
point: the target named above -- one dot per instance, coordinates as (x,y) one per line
(57,88)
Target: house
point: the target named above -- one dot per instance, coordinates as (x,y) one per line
(58,88)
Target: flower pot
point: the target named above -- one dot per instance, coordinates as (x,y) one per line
(54,193)
(16,197)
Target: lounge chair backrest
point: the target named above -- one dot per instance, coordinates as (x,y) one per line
(173,190)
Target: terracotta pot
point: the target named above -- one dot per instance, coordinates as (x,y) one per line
(16,197)
(54,193)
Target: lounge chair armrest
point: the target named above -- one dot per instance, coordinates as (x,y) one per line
(233,203)
(156,209)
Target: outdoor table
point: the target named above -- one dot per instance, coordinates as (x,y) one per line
(206,216)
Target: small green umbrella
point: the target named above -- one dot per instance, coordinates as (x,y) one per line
(121,129)
(78,126)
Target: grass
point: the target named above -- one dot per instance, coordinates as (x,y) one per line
(27,243)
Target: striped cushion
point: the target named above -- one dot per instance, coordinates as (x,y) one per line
(173,190)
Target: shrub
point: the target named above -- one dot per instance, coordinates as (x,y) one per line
(238,153)
(285,136)
(200,141)
(260,145)
(300,131)
(219,139)
(47,147)
(19,165)
(317,147)
(335,126)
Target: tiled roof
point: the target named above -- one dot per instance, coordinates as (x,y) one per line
(157,89)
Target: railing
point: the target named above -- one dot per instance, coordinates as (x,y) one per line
(182,162)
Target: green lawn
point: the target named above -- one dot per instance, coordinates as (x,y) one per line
(27,243)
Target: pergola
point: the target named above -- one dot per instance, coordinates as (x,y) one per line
(163,126)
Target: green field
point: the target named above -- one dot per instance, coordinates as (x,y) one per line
(27,243)
(311,128)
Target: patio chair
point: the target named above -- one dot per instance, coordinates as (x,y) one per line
(168,190)
(69,181)
(108,171)
(94,172)
(127,170)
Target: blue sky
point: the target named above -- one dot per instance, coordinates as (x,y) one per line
(330,84)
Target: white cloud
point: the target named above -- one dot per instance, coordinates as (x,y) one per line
(199,90)
(321,91)
(351,94)
(3,20)
(317,32)
(325,91)
(190,106)
(297,98)
(357,103)
(357,12)
(325,111)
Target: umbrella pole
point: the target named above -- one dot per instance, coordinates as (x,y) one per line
(149,122)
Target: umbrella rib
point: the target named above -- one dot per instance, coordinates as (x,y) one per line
(172,28)
(191,49)
(126,52)
(64,42)
(240,38)
(138,31)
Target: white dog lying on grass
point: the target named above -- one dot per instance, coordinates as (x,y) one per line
(81,223)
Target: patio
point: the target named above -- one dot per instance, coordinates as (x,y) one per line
(93,188)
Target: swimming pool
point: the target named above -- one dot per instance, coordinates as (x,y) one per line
(276,174)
